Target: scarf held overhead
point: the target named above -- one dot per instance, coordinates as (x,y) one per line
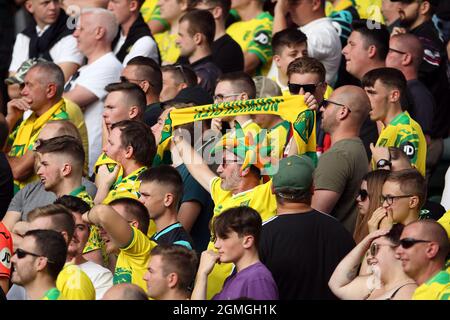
(290,108)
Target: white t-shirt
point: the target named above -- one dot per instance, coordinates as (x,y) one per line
(95,77)
(65,50)
(101,278)
(323,44)
(145,47)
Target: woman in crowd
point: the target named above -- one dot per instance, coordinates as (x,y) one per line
(385,279)
(368,201)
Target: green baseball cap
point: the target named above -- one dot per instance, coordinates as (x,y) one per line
(294,172)
(19,77)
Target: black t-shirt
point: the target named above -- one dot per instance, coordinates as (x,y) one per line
(173,234)
(227,54)
(6,185)
(419,102)
(302,250)
(433,73)
(208,73)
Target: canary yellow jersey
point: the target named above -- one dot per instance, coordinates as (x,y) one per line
(167,47)
(279,137)
(304,133)
(151,11)
(405,133)
(445,222)
(255,36)
(132,261)
(259,198)
(436,288)
(125,187)
(74,284)
(370,9)
(53,294)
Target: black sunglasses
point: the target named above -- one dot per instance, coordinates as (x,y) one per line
(20,253)
(409,242)
(363,194)
(294,88)
(326,103)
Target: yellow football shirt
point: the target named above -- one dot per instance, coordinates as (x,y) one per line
(370,9)
(279,137)
(74,284)
(151,11)
(255,36)
(167,47)
(445,222)
(405,133)
(259,198)
(125,187)
(132,261)
(436,288)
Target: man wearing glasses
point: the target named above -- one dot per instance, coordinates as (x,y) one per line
(308,76)
(423,250)
(38,262)
(341,168)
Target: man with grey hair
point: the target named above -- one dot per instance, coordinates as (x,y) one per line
(42,94)
(95,31)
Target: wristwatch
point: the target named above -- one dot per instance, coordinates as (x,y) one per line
(384,163)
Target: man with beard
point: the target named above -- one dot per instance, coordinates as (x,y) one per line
(416,18)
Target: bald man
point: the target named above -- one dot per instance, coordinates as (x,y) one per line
(340,170)
(423,249)
(125,291)
(406,55)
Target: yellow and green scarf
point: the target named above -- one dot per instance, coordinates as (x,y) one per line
(26,134)
(290,108)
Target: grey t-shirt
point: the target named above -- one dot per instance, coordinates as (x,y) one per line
(33,195)
(341,170)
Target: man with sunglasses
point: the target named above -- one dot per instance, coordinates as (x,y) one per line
(341,168)
(423,250)
(38,262)
(308,76)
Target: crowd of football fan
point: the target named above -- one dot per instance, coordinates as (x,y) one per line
(224,149)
